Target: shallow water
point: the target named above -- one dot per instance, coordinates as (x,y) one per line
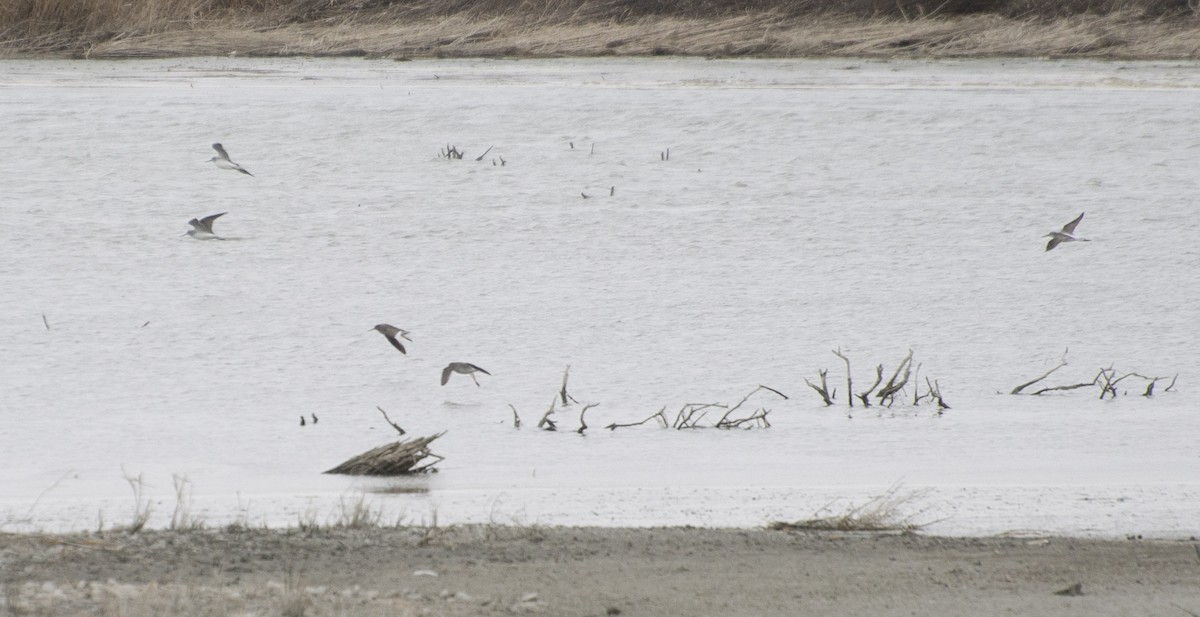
(806,206)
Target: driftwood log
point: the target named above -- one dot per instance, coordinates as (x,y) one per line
(393,459)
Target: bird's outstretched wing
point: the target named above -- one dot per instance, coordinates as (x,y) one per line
(395,343)
(478,369)
(221,152)
(1069,228)
(1055,240)
(446,374)
(207,221)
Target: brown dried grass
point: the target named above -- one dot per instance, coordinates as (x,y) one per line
(1156,29)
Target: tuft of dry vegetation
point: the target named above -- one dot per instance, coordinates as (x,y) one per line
(885,512)
(542,28)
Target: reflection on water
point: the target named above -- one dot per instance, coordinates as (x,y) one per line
(804,208)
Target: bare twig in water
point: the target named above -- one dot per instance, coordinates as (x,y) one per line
(546,423)
(687,418)
(661,415)
(567,399)
(864,396)
(887,394)
(516,418)
(480,157)
(849,383)
(1074,386)
(917,396)
(823,389)
(582,425)
(389,421)
(46,323)
(722,423)
(1061,363)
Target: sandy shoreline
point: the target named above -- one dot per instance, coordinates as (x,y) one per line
(485,570)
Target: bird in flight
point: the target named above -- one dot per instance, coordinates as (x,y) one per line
(389,332)
(1066,235)
(223,161)
(202,228)
(465,368)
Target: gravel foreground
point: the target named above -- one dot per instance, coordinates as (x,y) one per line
(492,570)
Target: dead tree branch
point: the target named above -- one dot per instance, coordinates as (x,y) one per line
(722,422)
(878,379)
(823,389)
(582,425)
(389,421)
(887,394)
(546,423)
(661,415)
(1017,390)
(917,396)
(687,418)
(849,384)
(567,399)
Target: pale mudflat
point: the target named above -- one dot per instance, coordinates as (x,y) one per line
(493,570)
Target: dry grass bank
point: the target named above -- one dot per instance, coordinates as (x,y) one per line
(1149,29)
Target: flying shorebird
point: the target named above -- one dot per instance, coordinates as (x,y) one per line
(1066,235)
(223,161)
(202,228)
(465,368)
(389,332)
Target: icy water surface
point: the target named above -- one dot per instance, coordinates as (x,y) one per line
(805,206)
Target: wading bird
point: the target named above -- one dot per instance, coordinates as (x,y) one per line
(465,368)
(1066,235)
(389,332)
(202,228)
(223,161)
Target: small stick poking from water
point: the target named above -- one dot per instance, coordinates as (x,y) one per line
(582,425)
(480,157)
(546,423)
(389,420)
(567,399)
(47,323)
